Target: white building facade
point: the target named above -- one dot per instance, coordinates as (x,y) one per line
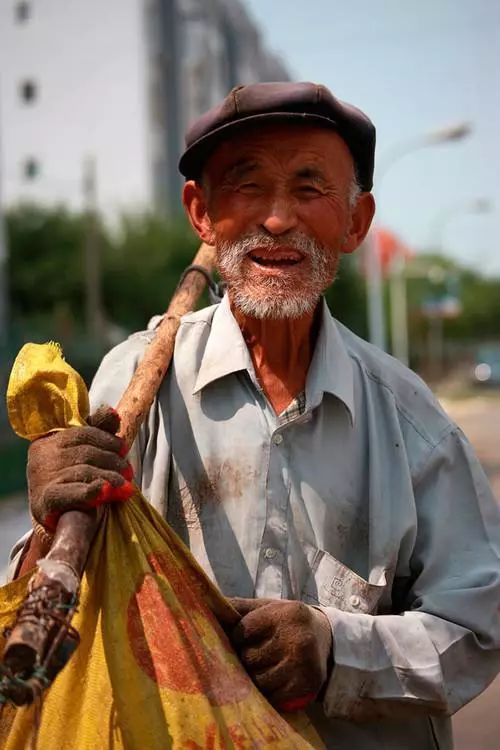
(117,81)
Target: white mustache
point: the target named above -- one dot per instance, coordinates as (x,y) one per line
(257,241)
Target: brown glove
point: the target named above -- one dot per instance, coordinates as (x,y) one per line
(286,647)
(78,468)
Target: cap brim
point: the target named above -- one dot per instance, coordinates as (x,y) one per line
(193,159)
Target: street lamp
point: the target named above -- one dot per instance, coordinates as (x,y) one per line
(447,214)
(376,325)
(450,133)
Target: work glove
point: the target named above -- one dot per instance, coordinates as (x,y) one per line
(76,469)
(286,647)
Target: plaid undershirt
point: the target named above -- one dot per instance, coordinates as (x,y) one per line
(295,409)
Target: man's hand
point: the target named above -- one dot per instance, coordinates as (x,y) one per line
(78,468)
(286,647)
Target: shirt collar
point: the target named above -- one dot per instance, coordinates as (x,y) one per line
(331,368)
(226,351)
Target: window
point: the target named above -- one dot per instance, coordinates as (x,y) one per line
(28,91)
(22,11)
(31,168)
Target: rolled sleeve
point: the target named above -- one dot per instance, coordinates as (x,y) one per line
(444,648)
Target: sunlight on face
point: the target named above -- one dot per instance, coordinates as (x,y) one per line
(279,203)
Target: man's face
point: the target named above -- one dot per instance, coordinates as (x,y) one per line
(279,209)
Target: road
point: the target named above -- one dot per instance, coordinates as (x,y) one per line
(477,726)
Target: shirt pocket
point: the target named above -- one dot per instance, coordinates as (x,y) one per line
(332,584)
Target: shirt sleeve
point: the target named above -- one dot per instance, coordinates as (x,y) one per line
(16,556)
(110,383)
(444,648)
(150,452)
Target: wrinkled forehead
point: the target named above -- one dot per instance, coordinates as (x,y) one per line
(281,148)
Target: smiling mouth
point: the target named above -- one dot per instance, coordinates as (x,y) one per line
(277,259)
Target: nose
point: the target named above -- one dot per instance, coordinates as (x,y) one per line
(280,216)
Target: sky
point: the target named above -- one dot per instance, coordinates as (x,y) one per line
(413,68)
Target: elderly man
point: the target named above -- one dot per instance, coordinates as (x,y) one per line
(313,476)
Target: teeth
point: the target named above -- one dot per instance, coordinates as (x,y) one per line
(275,260)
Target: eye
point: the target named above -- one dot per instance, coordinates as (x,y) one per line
(248,186)
(309,190)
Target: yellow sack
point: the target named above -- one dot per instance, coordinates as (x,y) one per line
(154,670)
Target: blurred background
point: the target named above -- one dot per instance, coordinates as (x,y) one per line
(94,100)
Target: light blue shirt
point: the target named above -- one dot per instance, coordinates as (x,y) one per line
(371,505)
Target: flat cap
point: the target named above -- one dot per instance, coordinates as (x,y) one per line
(287,102)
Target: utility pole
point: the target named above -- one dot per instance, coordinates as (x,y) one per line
(376,325)
(170,31)
(94,318)
(399,309)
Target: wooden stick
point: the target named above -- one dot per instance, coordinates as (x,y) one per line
(137,399)
(31,637)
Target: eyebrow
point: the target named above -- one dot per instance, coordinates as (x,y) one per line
(240,169)
(244,166)
(310,173)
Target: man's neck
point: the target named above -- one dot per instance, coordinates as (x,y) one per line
(281,352)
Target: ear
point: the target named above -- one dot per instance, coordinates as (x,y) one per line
(195,205)
(361,219)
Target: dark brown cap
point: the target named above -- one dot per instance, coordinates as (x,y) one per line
(290,102)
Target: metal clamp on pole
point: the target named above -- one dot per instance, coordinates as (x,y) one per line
(215,290)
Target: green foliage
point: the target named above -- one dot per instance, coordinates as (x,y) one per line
(481,309)
(347,296)
(479,297)
(45,260)
(13,462)
(143,266)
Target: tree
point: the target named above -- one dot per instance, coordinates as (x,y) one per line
(347,296)
(143,265)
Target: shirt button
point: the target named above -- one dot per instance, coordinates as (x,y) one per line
(269,553)
(355,601)
(278,438)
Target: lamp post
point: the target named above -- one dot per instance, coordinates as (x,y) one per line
(447,214)
(399,326)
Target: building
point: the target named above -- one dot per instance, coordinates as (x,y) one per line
(117,81)
(198,50)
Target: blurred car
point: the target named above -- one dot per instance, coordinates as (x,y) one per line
(486,369)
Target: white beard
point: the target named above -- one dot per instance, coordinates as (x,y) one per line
(273,297)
